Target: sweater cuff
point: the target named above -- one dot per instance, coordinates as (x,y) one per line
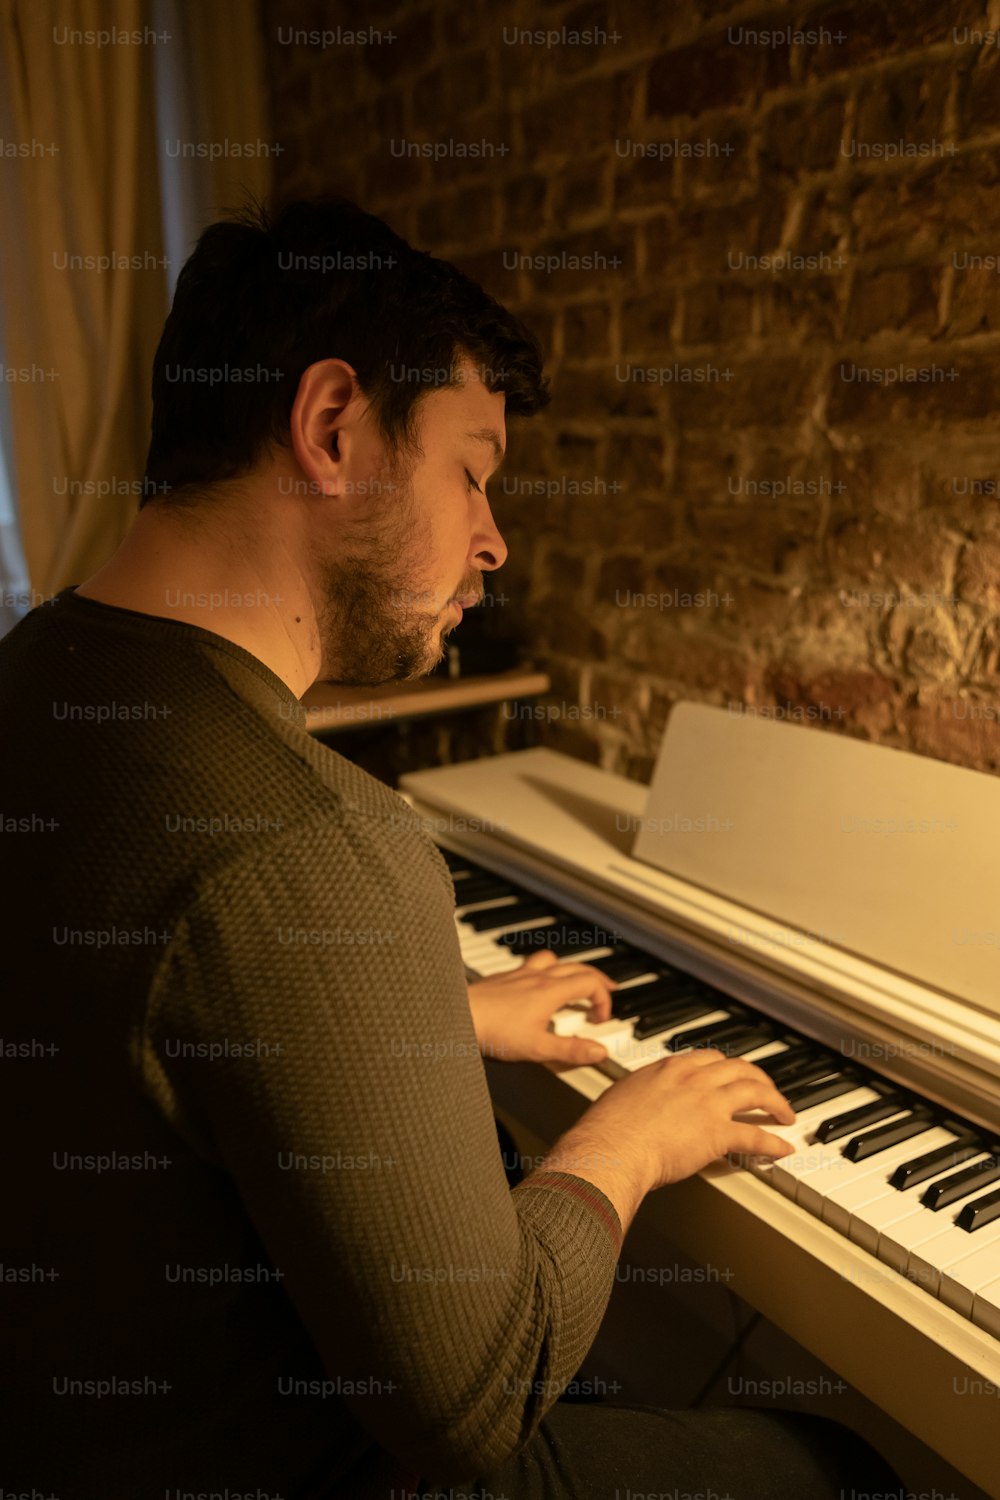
(565,1183)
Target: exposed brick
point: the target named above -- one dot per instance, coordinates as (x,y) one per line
(636,461)
(642,177)
(712,154)
(715,313)
(462,215)
(563,573)
(592,18)
(871,552)
(489,270)
(522,202)
(899,113)
(580,118)
(579,195)
(910,494)
(587,330)
(647,324)
(705,665)
(592,260)
(450,94)
(773,390)
(978,578)
(413,47)
(904,298)
(762,541)
(948,728)
(388,175)
(798,308)
(952,199)
(804,135)
(460,24)
(982,100)
(975,303)
(707,240)
(932,385)
(882,29)
(576,457)
(712,73)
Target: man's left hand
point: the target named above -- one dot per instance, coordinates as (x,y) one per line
(511,1012)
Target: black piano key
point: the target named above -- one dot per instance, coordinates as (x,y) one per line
(623,964)
(961,1184)
(640,998)
(808,1095)
(565,934)
(747,1040)
(893,1134)
(666,1016)
(513,914)
(781,1062)
(855,1119)
(805,1072)
(468,892)
(910,1173)
(579,944)
(554,935)
(710,1034)
(980,1213)
(816,1072)
(457,863)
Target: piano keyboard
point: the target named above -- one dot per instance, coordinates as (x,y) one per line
(911,1185)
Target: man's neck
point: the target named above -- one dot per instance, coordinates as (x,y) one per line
(174,567)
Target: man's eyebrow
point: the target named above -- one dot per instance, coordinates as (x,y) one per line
(492,437)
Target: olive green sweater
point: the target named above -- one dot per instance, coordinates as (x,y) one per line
(256,1229)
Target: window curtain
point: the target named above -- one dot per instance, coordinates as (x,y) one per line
(126,150)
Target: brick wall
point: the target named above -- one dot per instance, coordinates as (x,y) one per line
(769,484)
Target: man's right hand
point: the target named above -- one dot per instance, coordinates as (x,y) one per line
(668,1120)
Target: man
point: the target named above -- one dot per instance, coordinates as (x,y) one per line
(268,1242)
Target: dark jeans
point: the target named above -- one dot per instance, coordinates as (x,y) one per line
(602,1452)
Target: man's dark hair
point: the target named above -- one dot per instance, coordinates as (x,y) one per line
(272,292)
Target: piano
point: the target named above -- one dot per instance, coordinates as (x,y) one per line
(829,909)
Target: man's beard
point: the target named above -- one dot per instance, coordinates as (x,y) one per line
(377,625)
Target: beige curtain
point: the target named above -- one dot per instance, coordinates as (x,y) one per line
(83,281)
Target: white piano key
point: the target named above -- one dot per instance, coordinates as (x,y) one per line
(769,1049)
(814,1187)
(986,1308)
(923,1223)
(961,1281)
(886,1216)
(931,1257)
(632,1054)
(484,904)
(800,1135)
(817,1156)
(869,1179)
(573,1020)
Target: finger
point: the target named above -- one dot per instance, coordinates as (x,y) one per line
(568,990)
(753,1140)
(572,966)
(543,959)
(571,1051)
(746,1093)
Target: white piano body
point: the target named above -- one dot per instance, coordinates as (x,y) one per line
(846,891)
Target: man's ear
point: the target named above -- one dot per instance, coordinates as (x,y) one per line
(328,393)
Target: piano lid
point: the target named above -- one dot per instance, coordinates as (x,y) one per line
(877,851)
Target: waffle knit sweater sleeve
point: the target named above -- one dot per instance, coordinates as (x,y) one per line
(449,1312)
